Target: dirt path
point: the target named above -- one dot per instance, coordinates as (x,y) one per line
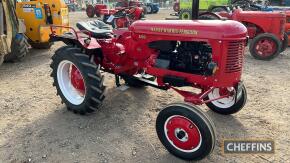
(36,127)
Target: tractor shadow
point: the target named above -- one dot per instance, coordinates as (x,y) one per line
(62,136)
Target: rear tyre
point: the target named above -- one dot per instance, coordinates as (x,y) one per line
(219,9)
(90,10)
(19,49)
(227,105)
(79,82)
(265,46)
(284,43)
(1,59)
(208,17)
(185,14)
(185,131)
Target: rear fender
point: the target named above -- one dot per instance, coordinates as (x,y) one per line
(84,42)
(213,14)
(222,6)
(74,38)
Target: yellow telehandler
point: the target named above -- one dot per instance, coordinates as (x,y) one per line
(38,15)
(13,43)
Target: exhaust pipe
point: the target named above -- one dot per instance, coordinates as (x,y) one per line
(195,9)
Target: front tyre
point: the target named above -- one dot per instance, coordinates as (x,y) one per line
(90,10)
(228,105)
(185,131)
(79,82)
(265,46)
(284,43)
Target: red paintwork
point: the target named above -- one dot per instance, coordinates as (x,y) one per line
(259,21)
(99,7)
(216,29)
(77,80)
(108,11)
(102,9)
(265,47)
(128,53)
(287,26)
(123,22)
(188,127)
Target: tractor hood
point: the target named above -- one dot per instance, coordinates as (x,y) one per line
(204,29)
(260,14)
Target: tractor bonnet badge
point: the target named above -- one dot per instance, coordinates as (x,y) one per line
(173,30)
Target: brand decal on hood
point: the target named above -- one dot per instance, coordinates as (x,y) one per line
(175,31)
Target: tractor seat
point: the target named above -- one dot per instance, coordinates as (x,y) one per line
(97,28)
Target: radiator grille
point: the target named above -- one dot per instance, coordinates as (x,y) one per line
(235,56)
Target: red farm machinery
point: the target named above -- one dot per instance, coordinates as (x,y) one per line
(201,60)
(101,8)
(265,29)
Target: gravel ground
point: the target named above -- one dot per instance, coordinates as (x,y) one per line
(36,127)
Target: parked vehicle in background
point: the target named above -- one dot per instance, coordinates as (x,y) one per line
(101,8)
(183,7)
(71,4)
(13,43)
(268,40)
(38,15)
(151,8)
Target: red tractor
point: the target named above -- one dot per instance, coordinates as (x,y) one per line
(99,9)
(123,17)
(266,29)
(204,55)
(93,10)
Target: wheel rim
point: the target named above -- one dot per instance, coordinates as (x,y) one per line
(120,23)
(71,82)
(224,102)
(185,16)
(148,9)
(182,134)
(265,47)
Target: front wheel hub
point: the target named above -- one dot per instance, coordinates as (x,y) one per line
(225,102)
(182,133)
(266,47)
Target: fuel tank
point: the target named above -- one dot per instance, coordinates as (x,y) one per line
(203,29)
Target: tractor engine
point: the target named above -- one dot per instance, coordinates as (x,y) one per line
(188,57)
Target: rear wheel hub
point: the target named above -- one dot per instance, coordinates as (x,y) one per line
(71,82)
(77,80)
